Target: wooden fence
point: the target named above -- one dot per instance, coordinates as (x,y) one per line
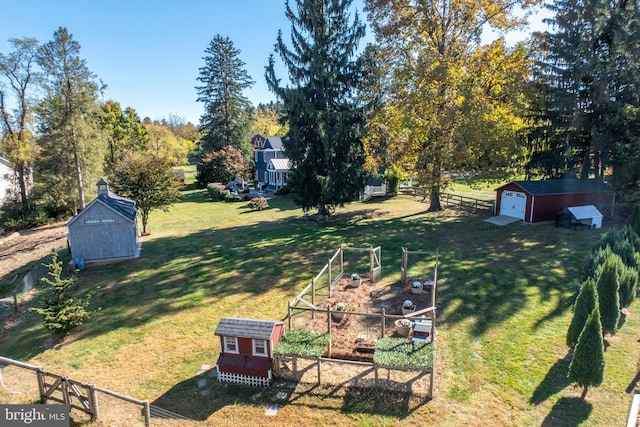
(405,268)
(319,362)
(78,395)
(465,202)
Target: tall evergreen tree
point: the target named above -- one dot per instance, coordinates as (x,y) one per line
(69,123)
(586,301)
(587,366)
(608,297)
(589,72)
(227,112)
(18,68)
(326,121)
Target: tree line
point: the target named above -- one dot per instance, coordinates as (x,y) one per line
(428,96)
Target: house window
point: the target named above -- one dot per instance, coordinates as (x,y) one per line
(231,344)
(259,348)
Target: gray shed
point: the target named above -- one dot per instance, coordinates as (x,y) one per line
(106,230)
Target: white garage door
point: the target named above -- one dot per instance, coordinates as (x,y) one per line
(513,204)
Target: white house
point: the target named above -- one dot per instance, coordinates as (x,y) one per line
(9,186)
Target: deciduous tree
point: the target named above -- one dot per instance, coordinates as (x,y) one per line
(124,133)
(18,69)
(147,180)
(326,120)
(220,166)
(445,97)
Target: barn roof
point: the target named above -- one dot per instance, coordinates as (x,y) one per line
(561,186)
(246,328)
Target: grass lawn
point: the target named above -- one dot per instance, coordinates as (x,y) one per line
(505,296)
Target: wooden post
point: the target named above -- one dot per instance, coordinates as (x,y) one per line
(313,297)
(294,364)
(341,260)
(329,273)
(15,302)
(431,383)
(40,375)
(289,316)
(93,402)
(146,410)
(276,359)
(329,329)
(371,263)
(383,323)
(318,361)
(375,372)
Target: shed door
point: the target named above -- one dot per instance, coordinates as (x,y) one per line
(513,204)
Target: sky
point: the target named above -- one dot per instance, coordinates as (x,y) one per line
(148,53)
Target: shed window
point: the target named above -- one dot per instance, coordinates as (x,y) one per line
(259,348)
(231,344)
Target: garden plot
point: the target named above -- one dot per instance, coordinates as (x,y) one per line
(353,337)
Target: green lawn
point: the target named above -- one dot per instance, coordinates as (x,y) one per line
(505,296)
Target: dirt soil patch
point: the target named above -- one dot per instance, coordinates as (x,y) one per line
(353,337)
(20,248)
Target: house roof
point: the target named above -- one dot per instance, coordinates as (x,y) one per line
(6,162)
(272,142)
(123,206)
(246,328)
(561,186)
(279,164)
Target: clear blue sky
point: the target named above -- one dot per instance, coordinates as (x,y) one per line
(149,52)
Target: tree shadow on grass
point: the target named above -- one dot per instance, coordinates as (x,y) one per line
(554,382)
(568,412)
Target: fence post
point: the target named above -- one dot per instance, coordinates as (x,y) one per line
(330,279)
(289,316)
(93,402)
(384,321)
(318,361)
(329,328)
(40,375)
(371,264)
(313,297)
(146,409)
(15,302)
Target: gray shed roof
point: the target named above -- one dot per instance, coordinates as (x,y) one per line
(562,186)
(246,328)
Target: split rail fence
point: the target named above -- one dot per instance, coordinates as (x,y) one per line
(81,396)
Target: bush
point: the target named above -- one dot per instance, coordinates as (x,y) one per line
(258,203)
(218,192)
(61,310)
(283,191)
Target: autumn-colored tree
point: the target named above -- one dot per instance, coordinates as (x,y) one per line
(18,68)
(220,166)
(446,96)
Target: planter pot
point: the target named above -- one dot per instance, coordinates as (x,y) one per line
(407,311)
(355,283)
(417,291)
(402,330)
(338,316)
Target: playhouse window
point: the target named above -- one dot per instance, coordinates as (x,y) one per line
(259,348)
(231,344)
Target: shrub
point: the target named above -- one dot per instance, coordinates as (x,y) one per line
(628,283)
(587,366)
(585,303)
(283,191)
(303,343)
(61,310)
(608,298)
(258,203)
(217,192)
